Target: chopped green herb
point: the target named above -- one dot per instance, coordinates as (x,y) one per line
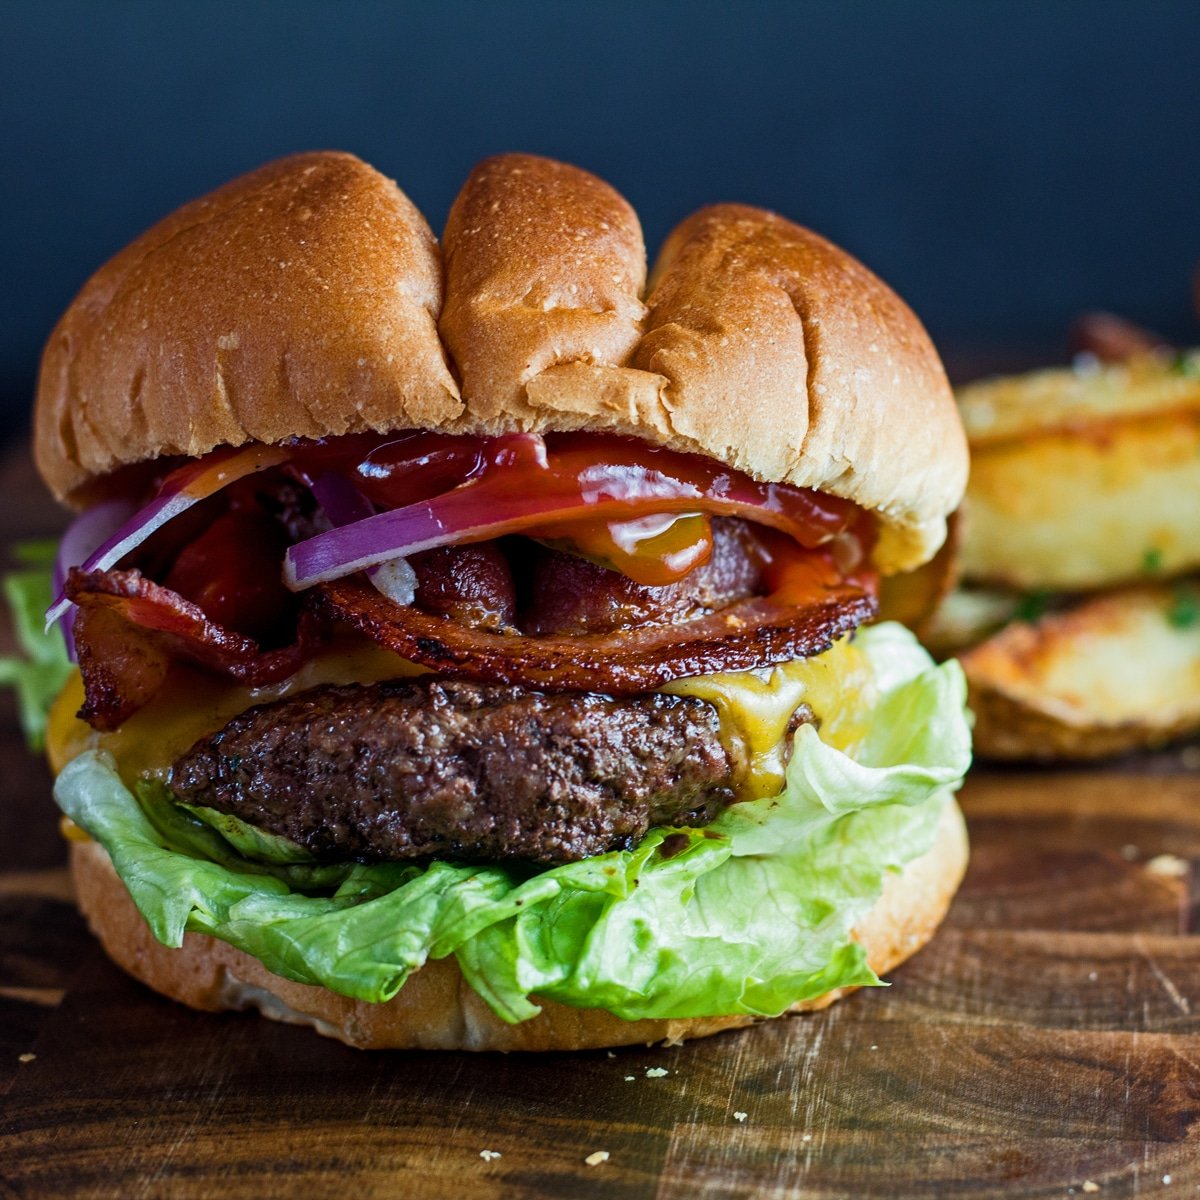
(1187,363)
(1152,559)
(1184,612)
(1032,606)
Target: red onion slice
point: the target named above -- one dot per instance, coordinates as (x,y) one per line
(546,485)
(344,504)
(88,531)
(341,501)
(480,511)
(179,491)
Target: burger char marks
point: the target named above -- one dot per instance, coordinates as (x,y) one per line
(438,768)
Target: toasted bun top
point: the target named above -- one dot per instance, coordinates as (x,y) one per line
(309,298)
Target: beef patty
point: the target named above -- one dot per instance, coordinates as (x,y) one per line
(422,768)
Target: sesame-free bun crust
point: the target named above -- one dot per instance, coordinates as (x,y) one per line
(310,298)
(300,300)
(436,1009)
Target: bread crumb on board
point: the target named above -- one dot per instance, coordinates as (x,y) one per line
(489,1155)
(656,1072)
(1090,1185)
(1170,865)
(596,1158)
(740,1116)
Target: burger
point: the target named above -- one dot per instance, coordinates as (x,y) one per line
(474,644)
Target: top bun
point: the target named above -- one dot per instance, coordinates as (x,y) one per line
(309,298)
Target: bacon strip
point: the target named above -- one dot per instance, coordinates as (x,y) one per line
(128,629)
(751,633)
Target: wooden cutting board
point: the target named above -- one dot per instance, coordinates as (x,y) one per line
(1047,1043)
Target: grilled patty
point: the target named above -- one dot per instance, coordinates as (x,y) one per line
(425,768)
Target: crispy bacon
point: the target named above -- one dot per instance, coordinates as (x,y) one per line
(584,628)
(128,629)
(751,633)
(470,584)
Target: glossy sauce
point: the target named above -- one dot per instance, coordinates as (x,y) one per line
(811,545)
(592,470)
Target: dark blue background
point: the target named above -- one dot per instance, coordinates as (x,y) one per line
(1003,164)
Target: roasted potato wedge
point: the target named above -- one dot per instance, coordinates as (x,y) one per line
(967,616)
(1066,399)
(1082,479)
(1114,673)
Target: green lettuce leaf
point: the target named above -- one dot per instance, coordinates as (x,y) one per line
(749,914)
(38,674)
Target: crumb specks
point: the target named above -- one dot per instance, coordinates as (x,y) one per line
(1169,865)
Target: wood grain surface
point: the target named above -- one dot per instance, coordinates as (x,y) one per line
(1047,1043)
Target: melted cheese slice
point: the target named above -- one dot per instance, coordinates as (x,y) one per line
(754,708)
(193,703)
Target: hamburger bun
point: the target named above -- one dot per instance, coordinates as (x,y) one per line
(436,1009)
(306,299)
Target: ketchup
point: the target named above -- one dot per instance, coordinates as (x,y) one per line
(647,545)
(656,526)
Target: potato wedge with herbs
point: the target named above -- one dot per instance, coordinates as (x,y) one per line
(1084,478)
(1114,673)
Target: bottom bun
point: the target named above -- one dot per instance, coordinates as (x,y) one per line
(436,1009)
